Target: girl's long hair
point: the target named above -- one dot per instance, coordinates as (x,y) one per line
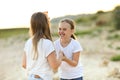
(40,28)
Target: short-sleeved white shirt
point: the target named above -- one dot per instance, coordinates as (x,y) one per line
(39,67)
(66,71)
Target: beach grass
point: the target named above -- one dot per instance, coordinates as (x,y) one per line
(6,33)
(115,58)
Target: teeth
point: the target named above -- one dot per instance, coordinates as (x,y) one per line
(61,35)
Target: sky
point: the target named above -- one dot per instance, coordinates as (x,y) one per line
(17,13)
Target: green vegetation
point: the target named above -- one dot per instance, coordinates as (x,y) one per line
(55,34)
(114,37)
(6,33)
(116,16)
(115,58)
(89,31)
(85,32)
(118,48)
(86,19)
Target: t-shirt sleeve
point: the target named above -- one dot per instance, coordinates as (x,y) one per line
(77,47)
(25,46)
(50,48)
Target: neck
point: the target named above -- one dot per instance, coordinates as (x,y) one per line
(65,42)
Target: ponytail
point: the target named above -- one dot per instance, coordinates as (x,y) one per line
(73,36)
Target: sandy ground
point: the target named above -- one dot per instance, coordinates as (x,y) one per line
(95,59)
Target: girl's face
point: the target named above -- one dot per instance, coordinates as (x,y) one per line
(65,30)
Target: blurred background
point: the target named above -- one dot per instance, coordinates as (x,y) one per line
(97,29)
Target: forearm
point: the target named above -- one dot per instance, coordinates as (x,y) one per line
(24,61)
(71,62)
(56,65)
(53,61)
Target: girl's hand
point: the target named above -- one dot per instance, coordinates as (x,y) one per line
(62,56)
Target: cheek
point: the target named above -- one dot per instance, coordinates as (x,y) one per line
(58,32)
(69,33)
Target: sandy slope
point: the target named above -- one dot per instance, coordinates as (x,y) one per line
(95,59)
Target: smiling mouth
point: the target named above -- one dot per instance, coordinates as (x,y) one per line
(62,35)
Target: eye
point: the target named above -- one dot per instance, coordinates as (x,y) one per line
(64,29)
(59,28)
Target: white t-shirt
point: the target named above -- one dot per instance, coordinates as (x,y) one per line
(39,67)
(65,70)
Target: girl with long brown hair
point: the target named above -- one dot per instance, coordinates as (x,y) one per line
(39,58)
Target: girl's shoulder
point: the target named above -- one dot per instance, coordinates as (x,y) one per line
(77,45)
(29,40)
(57,41)
(74,41)
(46,41)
